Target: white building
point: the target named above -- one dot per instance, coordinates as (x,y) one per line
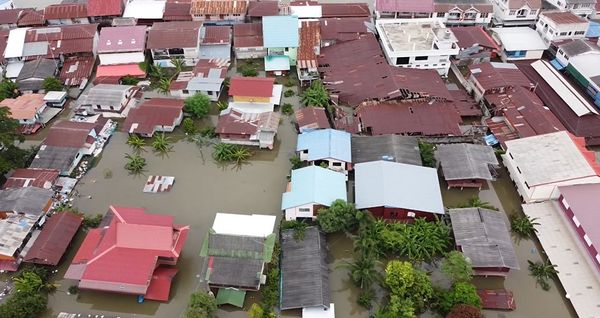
(207,78)
(519,43)
(539,164)
(108,97)
(575,48)
(515,12)
(556,26)
(463,12)
(417,43)
(582,8)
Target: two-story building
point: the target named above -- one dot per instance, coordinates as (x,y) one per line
(309,50)
(207,77)
(219,11)
(582,8)
(248,41)
(463,12)
(556,26)
(177,39)
(515,12)
(417,43)
(27,109)
(120,50)
(281,39)
(328,148)
(66,14)
(519,43)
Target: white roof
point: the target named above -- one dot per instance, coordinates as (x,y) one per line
(145,9)
(15,43)
(397,185)
(519,39)
(549,158)
(276,98)
(305,11)
(13,69)
(55,96)
(257,225)
(578,104)
(586,64)
(319,312)
(577,275)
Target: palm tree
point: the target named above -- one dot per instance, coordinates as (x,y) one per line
(137,143)
(135,164)
(164,86)
(475,202)
(162,144)
(524,226)
(240,155)
(178,63)
(542,271)
(363,272)
(315,95)
(221,105)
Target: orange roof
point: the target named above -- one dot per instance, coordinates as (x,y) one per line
(310,41)
(24,106)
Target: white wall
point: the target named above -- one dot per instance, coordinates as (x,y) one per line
(529,55)
(121,58)
(293,213)
(503,15)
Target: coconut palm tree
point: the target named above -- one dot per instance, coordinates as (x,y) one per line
(240,155)
(164,86)
(178,63)
(524,226)
(542,272)
(475,202)
(136,143)
(162,144)
(135,163)
(363,272)
(315,95)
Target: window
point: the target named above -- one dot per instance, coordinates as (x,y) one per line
(441,14)
(527,185)
(587,240)
(522,12)
(512,12)
(411,214)
(304,210)
(576,221)
(185,91)
(563,33)
(519,170)
(337,164)
(402,61)
(579,32)
(511,156)
(210,93)
(175,51)
(421,58)
(560,51)
(484,15)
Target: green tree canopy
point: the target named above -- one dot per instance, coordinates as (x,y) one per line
(457,267)
(340,216)
(24,306)
(419,241)
(189,127)
(459,293)
(201,305)
(410,288)
(427,154)
(52,84)
(315,95)
(197,105)
(8,89)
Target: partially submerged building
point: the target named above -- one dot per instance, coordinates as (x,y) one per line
(174,40)
(254,94)
(398,191)
(539,164)
(154,115)
(31,177)
(467,165)
(395,148)
(28,110)
(32,75)
(120,50)
(145,247)
(311,189)
(483,237)
(108,98)
(311,118)
(475,45)
(328,148)
(308,51)
(251,129)
(53,239)
(215,42)
(519,43)
(281,39)
(207,77)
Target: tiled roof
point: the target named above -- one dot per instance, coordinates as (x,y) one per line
(518,4)
(102,8)
(178,34)
(65,11)
(215,7)
(247,35)
(263,8)
(251,86)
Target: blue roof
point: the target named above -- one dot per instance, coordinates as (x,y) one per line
(280,31)
(593,30)
(277,63)
(326,143)
(314,185)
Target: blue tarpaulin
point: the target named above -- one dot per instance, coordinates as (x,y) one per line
(557,65)
(490,140)
(593,30)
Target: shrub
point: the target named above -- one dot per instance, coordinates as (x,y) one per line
(289,93)
(189,127)
(52,84)
(130,80)
(427,154)
(287,109)
(197,105)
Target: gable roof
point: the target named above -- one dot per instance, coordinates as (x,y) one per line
(314,185)
(518,4)
(326,144)
(578,46)
(280,31)
(31,177)
(396,148)
(234,121)
(131,240)
(29,200)
(31,17)
(483,237)
(106,94)
(37,69)
(469,36)
(311,118)
(67,133)
(397,185)
(251,86)
(343,29)
(563,17)
(247,34)
(215,34)
(10,16)
(304,270)
(466,161)
(52,41)
(262,8)
(494,75)
(24,107)
(103,8)
(344,10)
(179,34)
(177,11)
(151,113)
(122,39)
(65,11)
(54,238)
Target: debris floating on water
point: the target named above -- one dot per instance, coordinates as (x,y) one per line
(157,184)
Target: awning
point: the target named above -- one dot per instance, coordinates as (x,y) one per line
(231,296)
(160,285)
(119,71)
(557,65)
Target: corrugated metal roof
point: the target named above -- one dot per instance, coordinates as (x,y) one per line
(102,8)
(310,44)
(396,148)
(251,86)
(215,34)
(345,10)
(179,34)
(76,70)
(263,8)
(483,237)
(177,11)
(280,31)
(55,237)
(122,39)
(397,185)
(343,29)
(218,7)
(563,17)
(314,185)
(466,161)
(30,177)
(404,6)
(326,143)
(469,36)
(65,11)
(247,35)
(309,118)
(29,200)
(151,113)
(497,75)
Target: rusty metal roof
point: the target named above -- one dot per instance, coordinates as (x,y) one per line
(177,11)
(343,29)
(247,35)
(468,36)
(175,34)
(263,8)
(310,42)
(566,17)
(76,70)
(54,238)
(65,11)
(216,34)
(30,17)
(214,7)
(496,75)
(102,8)
(344,10)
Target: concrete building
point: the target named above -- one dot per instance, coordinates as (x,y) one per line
(557,26)
(219,11)
(519,43)
(207,78)
(582,8)
(281,39)
(120,50)
(108,97)
(178,39)
(251,129)
(515,12)
(417,43)
(539,164)
(463,12)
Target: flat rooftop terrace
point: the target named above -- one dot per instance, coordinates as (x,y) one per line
(410,35)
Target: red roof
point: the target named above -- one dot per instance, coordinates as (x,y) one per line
(583,200)
(10,16)
(404,6)
(31,17)
(177,11)
(68,134)
(216,34)
(312,118)
(247,35)
(464,104)
(498,75)
(251,86)
(263,8)
(564,17)
(103,8)
(151,113)
(426,119)
(122,39)
(65,11)
(160,285)
(123,255)
(31,177)
(175,34)
(343,29)
(118,71)
(55,237)
(345,10)
(76,70)
(310,39)
(469,36)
